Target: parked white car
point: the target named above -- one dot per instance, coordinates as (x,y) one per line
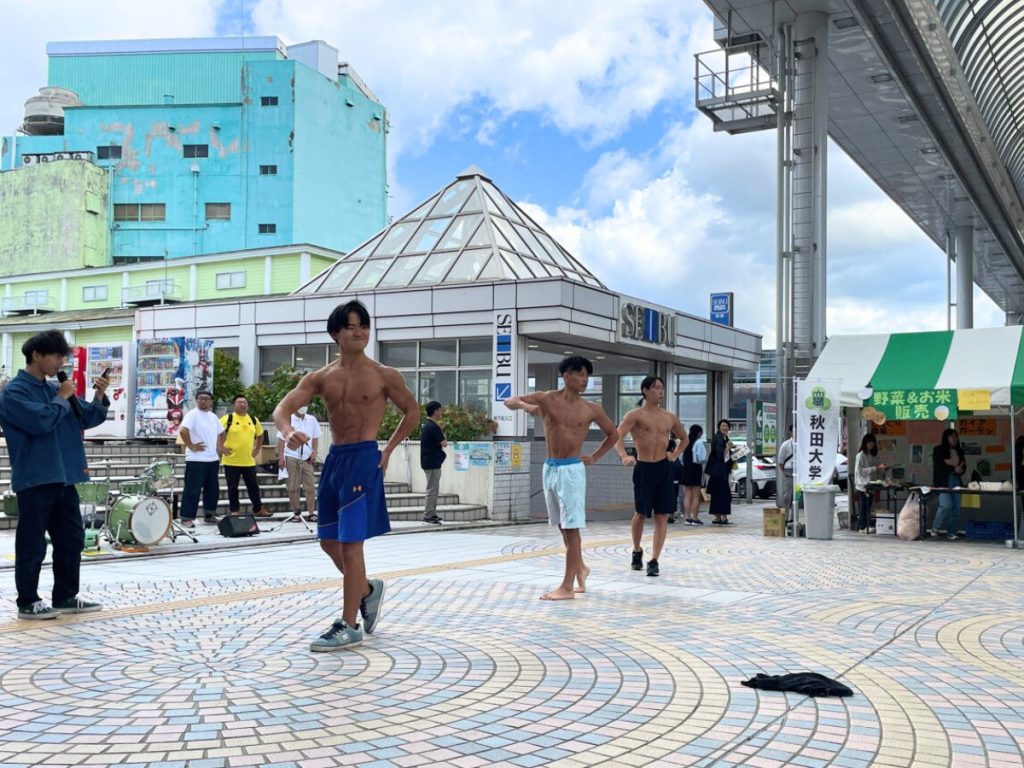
(842,471)
(763,477)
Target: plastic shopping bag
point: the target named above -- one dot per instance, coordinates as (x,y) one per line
(908,525)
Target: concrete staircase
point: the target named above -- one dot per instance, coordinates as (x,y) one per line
(117,463)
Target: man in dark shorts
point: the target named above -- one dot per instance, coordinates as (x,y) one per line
(651,427)
(350,501)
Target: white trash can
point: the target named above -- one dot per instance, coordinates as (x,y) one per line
(819,510)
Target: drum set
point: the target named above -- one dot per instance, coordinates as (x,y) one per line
(136,516)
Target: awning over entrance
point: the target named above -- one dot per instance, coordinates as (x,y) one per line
(980,358)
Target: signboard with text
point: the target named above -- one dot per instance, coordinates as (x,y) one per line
(766,429)
(503,371)
(722,308)
(915,404)
(817,430)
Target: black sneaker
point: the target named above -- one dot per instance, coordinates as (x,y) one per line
(671,518)
(696,521)
(76,605)
(638,561)
(211,519)
(435,520)
(652,567)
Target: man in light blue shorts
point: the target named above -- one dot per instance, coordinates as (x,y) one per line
(565,492)
(567,418)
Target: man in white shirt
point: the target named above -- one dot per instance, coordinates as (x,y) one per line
(199,431)
(784,473)
(299,463)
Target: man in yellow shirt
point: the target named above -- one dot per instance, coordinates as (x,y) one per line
(239,445)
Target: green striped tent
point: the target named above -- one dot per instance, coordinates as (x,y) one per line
(976,358)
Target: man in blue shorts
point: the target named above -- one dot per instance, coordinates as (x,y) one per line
(567,418)
(350,499)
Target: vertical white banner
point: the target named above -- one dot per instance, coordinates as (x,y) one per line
(817,431)
(503,370)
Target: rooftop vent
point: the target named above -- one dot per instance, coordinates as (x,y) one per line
(44,114)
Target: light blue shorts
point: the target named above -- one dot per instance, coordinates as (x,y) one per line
(565,492)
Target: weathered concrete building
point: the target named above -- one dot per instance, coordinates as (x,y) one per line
(193,146)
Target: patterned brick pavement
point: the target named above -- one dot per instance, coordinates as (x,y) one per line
(199,662)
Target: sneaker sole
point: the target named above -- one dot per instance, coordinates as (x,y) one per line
(38,617)
(331,649)
(368,628)
(97,609)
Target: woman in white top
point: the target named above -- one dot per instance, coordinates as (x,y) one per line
(694,456)
(864,469)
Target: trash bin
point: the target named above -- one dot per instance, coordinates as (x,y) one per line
(819,506)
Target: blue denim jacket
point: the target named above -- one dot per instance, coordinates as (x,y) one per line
(44,438)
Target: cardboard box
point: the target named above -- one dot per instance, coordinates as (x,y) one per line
(885,524)
(774,522)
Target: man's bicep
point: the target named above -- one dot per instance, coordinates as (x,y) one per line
(398,391)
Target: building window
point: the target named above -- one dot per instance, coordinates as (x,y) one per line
(218,211)
(447,370)
(228,280)
(94,293)
(268,170)
(306,357)
(268,229)
(196,150)
(37,298)
(108,152)
(629,394)
(692,400)
(268,101)
(140,211)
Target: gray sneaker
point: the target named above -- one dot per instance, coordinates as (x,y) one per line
(37,611)
(339,637)
(370,606)
(76,605)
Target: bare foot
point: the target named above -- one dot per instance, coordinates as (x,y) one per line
(581,579)
(562,593)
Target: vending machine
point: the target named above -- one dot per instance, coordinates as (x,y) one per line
(89,362)
(168,374)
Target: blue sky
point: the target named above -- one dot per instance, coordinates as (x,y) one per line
(580,110)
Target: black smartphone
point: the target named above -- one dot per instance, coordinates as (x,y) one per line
(106,373)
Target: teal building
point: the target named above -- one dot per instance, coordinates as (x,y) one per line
(208,146)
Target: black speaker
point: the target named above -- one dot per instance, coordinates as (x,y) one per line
(234,526)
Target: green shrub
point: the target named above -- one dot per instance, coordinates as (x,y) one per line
(458,422)
(227,380)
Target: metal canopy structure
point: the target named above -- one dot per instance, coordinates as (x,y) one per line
(470,231)
(927,97)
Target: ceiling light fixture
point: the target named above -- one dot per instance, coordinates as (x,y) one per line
(846,22)
(907,119)
(929,151)
(885,77)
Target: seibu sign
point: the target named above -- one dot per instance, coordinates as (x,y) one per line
(640,323)
(503,373)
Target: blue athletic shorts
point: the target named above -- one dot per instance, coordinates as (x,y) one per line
(350,500)
(565,492)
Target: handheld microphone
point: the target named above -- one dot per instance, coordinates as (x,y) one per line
(76,406)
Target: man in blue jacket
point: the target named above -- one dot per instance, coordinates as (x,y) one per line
(43,424)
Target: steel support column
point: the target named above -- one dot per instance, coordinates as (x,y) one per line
(965,276)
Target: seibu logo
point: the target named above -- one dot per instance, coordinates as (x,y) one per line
(639,323)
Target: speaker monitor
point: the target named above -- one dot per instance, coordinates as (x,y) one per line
(234,526)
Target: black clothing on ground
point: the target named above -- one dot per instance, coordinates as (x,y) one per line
(653,488)
(808,683)
(432,456)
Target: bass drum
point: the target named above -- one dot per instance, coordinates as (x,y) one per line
(139,520)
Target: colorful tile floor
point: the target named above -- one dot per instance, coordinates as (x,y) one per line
(202,660)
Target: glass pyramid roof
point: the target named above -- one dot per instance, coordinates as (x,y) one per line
(468,232)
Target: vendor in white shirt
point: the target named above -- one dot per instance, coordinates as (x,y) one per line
(299,462)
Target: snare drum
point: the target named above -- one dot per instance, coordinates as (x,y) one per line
(160,474)
(136,487)
(92,492)
(139,520)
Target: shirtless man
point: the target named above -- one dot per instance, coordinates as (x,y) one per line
(651,426)
(350,499)
(567,419)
